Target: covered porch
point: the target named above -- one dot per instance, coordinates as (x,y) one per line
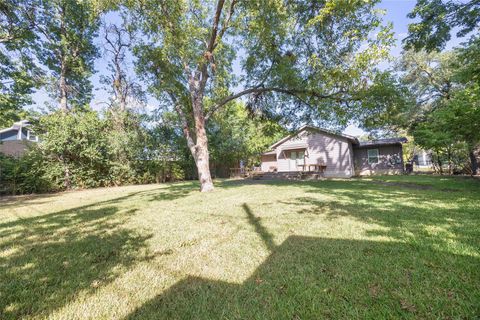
(296,158)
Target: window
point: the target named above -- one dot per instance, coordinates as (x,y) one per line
(31,136)
(300,157)
(372,156)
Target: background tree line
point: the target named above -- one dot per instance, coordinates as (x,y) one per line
(229,77)
(433,92)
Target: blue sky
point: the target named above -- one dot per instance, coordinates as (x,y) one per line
(396,12)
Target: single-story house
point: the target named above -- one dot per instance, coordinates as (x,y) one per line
(333,154)
(14,140)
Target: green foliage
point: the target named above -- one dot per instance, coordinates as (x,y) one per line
(452,130)
(236,135)
(18,73)
(385,104)
(22,175)
(75,148)
(67,29)
(469,61)
(82,149)
(317,55)
(461,115)
(438,19)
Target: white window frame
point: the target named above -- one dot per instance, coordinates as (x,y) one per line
(28,136)
(372,156)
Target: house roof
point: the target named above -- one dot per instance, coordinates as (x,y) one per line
(269,153)
(381,142)
(346,136)
(16,126)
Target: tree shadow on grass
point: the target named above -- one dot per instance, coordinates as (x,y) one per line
(432,216)
(315,278)
(172,191)
(20,200)
(169,191)
(45,261)
(425,218)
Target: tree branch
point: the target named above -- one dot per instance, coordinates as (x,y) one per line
(216,21)
(183,120)
(211,45)
(226,23)
(292,92)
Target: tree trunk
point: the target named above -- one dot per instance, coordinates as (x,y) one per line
(203,164)
(449,155)
(200,148)
(63,67)
(473,162)
(439,163)
(63,90)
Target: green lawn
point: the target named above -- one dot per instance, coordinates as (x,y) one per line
(383,248)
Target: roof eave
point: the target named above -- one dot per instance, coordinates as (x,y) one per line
(8,129)
(346,136)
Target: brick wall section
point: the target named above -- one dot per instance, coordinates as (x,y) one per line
(16,148)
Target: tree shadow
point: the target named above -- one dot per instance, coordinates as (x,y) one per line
(437,219)
(313,277)
(45,261)
(266,237)
(405,183)
(424,211)
(20,200)
(172,191)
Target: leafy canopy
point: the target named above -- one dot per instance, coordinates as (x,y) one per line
(66,31)
(302,59)
(439,19)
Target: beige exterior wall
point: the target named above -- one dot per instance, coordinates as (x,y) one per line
(320,148)
(268,163)
(14,148)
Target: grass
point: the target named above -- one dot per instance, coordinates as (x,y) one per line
(385,247)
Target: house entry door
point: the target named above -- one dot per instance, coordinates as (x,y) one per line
(296,158)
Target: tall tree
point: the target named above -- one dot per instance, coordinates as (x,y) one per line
(123,88)
(299,58)
(438,19)
(18,73)
(67,29)
(445,111)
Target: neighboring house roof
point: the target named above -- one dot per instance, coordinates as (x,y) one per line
(16,126)
(19,131)
(346,136)
(382,142)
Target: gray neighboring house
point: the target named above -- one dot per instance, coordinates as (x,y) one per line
(333,154)
(14,141)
